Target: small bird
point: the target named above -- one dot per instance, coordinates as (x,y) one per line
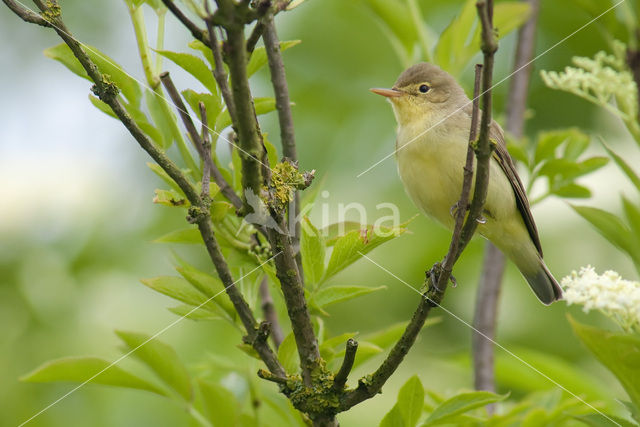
(434,118)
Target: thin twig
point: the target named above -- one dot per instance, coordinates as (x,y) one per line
(287,133)
(269,312)
(347,364)
(206,151)
(219,73)
(488,293)
(196,32)
(108,93)
(26,14)
(182,110)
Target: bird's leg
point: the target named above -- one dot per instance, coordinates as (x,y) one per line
(456,206)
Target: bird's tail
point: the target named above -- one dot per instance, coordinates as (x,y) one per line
(543,284)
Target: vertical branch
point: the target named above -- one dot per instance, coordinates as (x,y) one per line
(269,312)
(488,293)
(283,105)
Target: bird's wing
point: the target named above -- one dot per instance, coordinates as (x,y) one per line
(501,155)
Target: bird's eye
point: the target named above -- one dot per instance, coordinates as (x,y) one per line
(423,88)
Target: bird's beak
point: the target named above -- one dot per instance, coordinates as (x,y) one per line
(389,93)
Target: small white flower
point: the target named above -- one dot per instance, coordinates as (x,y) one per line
(609,293)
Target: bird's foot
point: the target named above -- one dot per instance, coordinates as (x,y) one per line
(456,206)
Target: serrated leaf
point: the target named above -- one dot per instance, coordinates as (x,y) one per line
(194,66)
(170,198)
(350,247)
(572,190)
(126,84)
(220,404)
(179,289)
(459,404)
(162,359)
(288,355)
(411,401)
(190,236)
(608,225)
(312,249)
(623,165)
(333,294)
(259,56)
(262,105)
(620,353)
(88,369)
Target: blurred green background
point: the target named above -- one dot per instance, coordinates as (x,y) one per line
(76,218)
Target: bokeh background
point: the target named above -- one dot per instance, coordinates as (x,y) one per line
(77,222)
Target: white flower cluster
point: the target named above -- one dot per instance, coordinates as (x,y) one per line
(611,294)
(600,80)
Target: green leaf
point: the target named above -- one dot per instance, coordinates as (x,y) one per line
(589,165)
(572,190)
(170,198)
(211,103)
(393,418)
(312,249)
(127,84)
(366,351)
(607,224)
(186,235)
(288,355)
(259,56)
(633,410)
(219,403)
(632,212)
(219,210)
(102,106)
(194,66)
(333,294)
(549,141)
(204,49)
(411,401)
(263,106)
(91,370)
(599,420)
(623,165)
(193,313)
(334,231)
(330,346)
(162,359)
(179,289)
(576,145)
(208,285)
(157,169)
(452,42)
(159,116)
(350,247)
(459,404)
(388,336)
(620,353)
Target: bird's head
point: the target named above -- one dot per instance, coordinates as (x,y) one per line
(422,91)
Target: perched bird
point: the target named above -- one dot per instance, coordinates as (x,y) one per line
(434,118)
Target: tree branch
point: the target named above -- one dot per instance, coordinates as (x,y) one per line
(347,363)
(26,14)
(488,293)
(196,31)
(269,313)
(198,213)
(283,105)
